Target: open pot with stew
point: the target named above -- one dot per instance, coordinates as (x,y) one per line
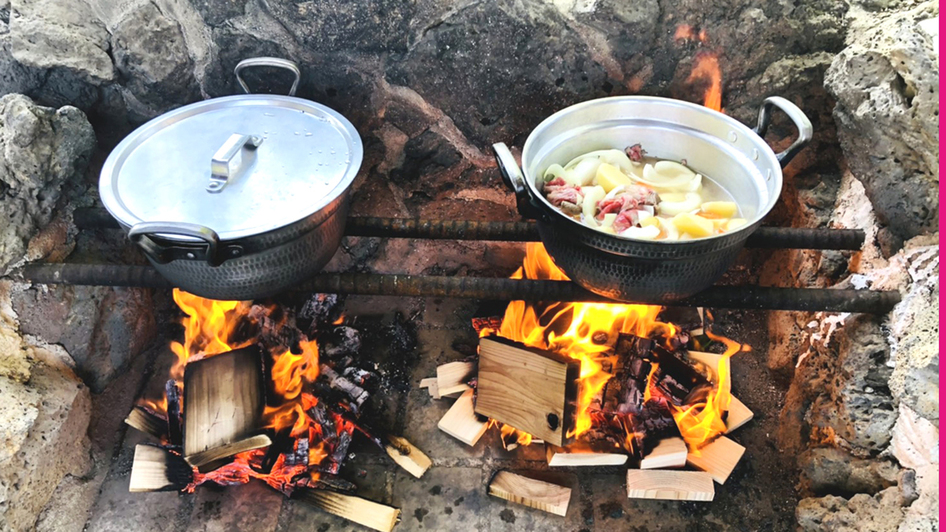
(648,199)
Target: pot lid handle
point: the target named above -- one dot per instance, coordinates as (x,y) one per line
(269,62)
(220,163)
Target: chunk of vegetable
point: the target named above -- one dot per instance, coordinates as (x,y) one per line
(653,221)
(611,177)
(735,223)
(672,204)
(585,171)
(723,209)
(694,225)
(588,207)
(643,233)
(608,219)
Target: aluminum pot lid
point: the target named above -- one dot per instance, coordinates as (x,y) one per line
(239,165)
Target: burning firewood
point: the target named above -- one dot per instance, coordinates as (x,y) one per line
(718,458)
(669,485)
(452,378)
(157,469)
(461,421)
(529,492)
(670,452)
(738,415)
(583,454)
(175,427)
(357,394)
(532,390)
(223,408)
(373,515)
(148,421)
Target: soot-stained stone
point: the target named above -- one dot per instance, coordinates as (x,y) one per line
(494,69)
(425,154)
(833,471)
(366,26)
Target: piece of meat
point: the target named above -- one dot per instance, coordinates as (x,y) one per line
(631,199)
(635,153)
(625,220)
(558,191)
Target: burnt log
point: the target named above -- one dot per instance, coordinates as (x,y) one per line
(175,427)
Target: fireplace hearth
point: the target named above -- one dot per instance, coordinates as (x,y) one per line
(360,389)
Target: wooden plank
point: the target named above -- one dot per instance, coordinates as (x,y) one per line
(452,378)
(670,452)
(532,390)
(223,403)
(156,469)
(578,455)
(371,514)
(739,415)
(529,492)
(425,383)
(403,452)
(434,390)
(718,458)
(461,421)
(145,421)
(210,459)
(669,485)
(711,361)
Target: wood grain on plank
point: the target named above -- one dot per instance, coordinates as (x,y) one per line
(718,458)
(669,485)
(670,452)
(452,378)
(576,455)
(156,469)
(461,421)
(371,514)
(403,452)
(529,492)
(739,414)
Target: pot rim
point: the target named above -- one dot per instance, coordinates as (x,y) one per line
(751,225)
(113,164)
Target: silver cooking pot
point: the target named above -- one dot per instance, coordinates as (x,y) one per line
(712,143)
(237,197)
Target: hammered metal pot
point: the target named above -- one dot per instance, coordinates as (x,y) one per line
(713,144)
(238,197)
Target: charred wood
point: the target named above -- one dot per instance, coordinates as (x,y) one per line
(175,426)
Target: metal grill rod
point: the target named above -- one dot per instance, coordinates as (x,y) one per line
(764,237)
(734,297)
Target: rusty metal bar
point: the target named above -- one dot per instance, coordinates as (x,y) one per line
(764,237)
(742,297)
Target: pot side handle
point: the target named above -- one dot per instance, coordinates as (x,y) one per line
(268,62)
(514,179)
(797,116)
(143,234)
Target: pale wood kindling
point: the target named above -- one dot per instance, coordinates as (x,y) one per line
(532,390)
(407,456)
(461,421)
(223,405)
(452,378)
(371,514)
(739,415)
(578,455)
(156,469)
(529,492)
(718,458)
(670,452)
(669,485)
(147,422)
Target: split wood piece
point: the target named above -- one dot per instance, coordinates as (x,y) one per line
(712,361)
(407,456)
(371,514)
(156,469)
(739,415)
(175,427)
(461,421)
(718,458)
(529,492)
(532,390)
(431,385)
(583,455)
(426,383)
(452,378)
(223,405)
(213,458)
(144,420)
(671,452)
(669,485)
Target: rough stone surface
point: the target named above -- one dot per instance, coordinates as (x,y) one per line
(102,328)
(152,56)
(43,436)
(829,470)
(14,356)
(861,513)
(52,34)
(42,148)
(14,77)
(886,83)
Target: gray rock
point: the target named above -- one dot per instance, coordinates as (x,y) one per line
(830,470)
(151,54)
(42,148)
(43,437)
(14,77)
(50,34)
(365,26)
(102,328)
(861,513)
(886,83)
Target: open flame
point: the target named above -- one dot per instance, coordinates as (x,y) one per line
(706,72)
(587,332)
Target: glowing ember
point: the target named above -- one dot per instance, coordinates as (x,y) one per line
(588,332)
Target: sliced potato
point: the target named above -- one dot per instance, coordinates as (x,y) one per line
(735,223)
(653,221)
(609,177)
(696,226)
(723,209)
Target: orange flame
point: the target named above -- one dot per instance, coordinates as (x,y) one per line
(686,32)
(706,70)
(207,328)
(583,331)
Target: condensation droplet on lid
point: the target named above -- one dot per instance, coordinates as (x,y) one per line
(308,134)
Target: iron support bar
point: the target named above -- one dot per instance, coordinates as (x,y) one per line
(736,297)
(764,237)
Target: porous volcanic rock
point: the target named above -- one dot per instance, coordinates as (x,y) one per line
(882,512)
(827,470)
(41,149)
(886,83)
